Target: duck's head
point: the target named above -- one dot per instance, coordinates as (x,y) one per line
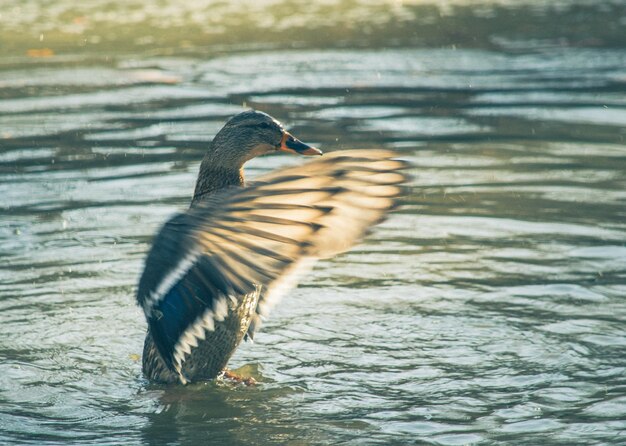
(253,133)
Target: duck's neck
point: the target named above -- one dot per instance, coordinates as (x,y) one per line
(213,178)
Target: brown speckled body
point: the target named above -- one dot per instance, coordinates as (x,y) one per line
(210,357)
(207,360)
(212,179)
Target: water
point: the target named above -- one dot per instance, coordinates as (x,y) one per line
(488,310)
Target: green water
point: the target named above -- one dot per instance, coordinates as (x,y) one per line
(488,310)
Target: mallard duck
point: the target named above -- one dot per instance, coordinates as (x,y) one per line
(219,267)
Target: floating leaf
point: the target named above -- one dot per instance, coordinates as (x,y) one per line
(40,52)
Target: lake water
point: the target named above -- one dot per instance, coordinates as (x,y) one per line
(488,310)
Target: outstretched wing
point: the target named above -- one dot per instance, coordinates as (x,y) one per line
(367,184)
(217,251)
(243,239)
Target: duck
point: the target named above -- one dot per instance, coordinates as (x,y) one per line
(215,270)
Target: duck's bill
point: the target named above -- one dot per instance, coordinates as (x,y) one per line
(294,145)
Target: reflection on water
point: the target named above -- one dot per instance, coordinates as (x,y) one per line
(101,29)
(488,310)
